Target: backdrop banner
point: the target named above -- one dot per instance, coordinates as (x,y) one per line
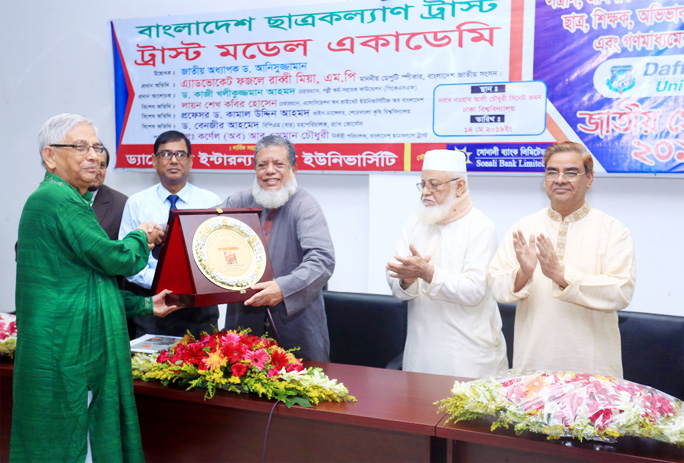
(369,87)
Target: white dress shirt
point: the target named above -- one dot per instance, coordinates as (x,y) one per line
(153,205)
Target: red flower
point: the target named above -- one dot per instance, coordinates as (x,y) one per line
(178,353)
(7,329)
(295,366)
(195,351)
(190,354)
(279,359)
(268,343)
(272,372)
(233,351)
(250,340)
(257,358)
(163,356)
(238,370)
(601,417)
(209,340)
(662,405)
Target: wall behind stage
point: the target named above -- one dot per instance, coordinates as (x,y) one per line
(57,57)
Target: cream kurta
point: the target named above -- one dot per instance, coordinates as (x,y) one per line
(576,328)
(454,326)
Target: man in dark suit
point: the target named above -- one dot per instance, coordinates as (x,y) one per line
(108,204)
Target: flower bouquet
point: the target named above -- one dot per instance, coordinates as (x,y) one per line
(8,334)
(567,404)
(239,362)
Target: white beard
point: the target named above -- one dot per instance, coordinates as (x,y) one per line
(273,199)
(430,215)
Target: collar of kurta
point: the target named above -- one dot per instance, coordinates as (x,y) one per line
(574,217)
(52,178)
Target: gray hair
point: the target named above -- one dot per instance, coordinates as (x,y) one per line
(276,140)
(55,129)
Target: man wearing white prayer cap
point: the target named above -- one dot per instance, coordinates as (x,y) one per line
(440,267)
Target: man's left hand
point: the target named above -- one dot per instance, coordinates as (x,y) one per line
(269,295)
(161,310)
(548,261)
(412,267)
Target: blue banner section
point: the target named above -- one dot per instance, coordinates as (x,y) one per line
(503,157)
(615,73)
(120,89)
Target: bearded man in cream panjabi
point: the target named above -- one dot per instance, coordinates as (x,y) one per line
(440,267)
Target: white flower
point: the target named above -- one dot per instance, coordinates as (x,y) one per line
(314,377)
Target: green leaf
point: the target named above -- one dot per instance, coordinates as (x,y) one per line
(301,401)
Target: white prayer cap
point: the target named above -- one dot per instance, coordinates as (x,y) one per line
(445,160)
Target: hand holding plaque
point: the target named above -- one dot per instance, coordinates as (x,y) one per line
(269,294)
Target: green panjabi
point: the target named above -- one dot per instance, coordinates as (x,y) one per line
(72,335)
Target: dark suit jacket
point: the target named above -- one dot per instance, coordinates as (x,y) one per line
(108,207)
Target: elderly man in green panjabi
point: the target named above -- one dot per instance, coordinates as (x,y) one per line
(73,388)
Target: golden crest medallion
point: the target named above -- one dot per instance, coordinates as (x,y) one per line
(229,253)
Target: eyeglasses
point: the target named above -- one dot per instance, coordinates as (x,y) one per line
(569,175)
(167,155)
(432,186)
(278,165)
(83,148)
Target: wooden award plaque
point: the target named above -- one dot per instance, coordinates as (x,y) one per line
(212,256)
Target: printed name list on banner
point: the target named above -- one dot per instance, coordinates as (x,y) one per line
(356,87)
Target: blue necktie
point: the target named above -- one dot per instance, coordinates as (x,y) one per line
(173,199)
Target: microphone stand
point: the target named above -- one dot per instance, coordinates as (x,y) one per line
(268,322)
